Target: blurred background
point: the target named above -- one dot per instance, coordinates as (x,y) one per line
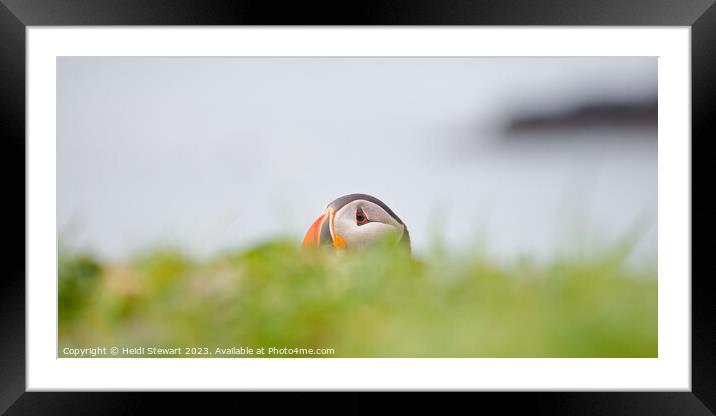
(520,155)
(529,186)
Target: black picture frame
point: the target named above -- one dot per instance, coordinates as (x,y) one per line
(16,15)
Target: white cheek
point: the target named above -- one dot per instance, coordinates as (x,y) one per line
(359,236)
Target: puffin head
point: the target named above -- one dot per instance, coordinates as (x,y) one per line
(354,221)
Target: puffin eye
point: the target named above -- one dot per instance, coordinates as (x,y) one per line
(361,218)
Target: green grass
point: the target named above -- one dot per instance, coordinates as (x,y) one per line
(373,303)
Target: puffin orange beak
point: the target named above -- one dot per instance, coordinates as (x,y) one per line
(321,232)
(313,235)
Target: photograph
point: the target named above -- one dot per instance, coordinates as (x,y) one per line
(357,207)
(477,197)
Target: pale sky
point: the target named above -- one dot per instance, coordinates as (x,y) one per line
(208,154)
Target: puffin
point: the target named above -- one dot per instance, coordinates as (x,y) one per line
(355,221)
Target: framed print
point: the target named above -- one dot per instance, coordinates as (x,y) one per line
(473,198)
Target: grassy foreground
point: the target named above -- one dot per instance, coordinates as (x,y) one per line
(378,303)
